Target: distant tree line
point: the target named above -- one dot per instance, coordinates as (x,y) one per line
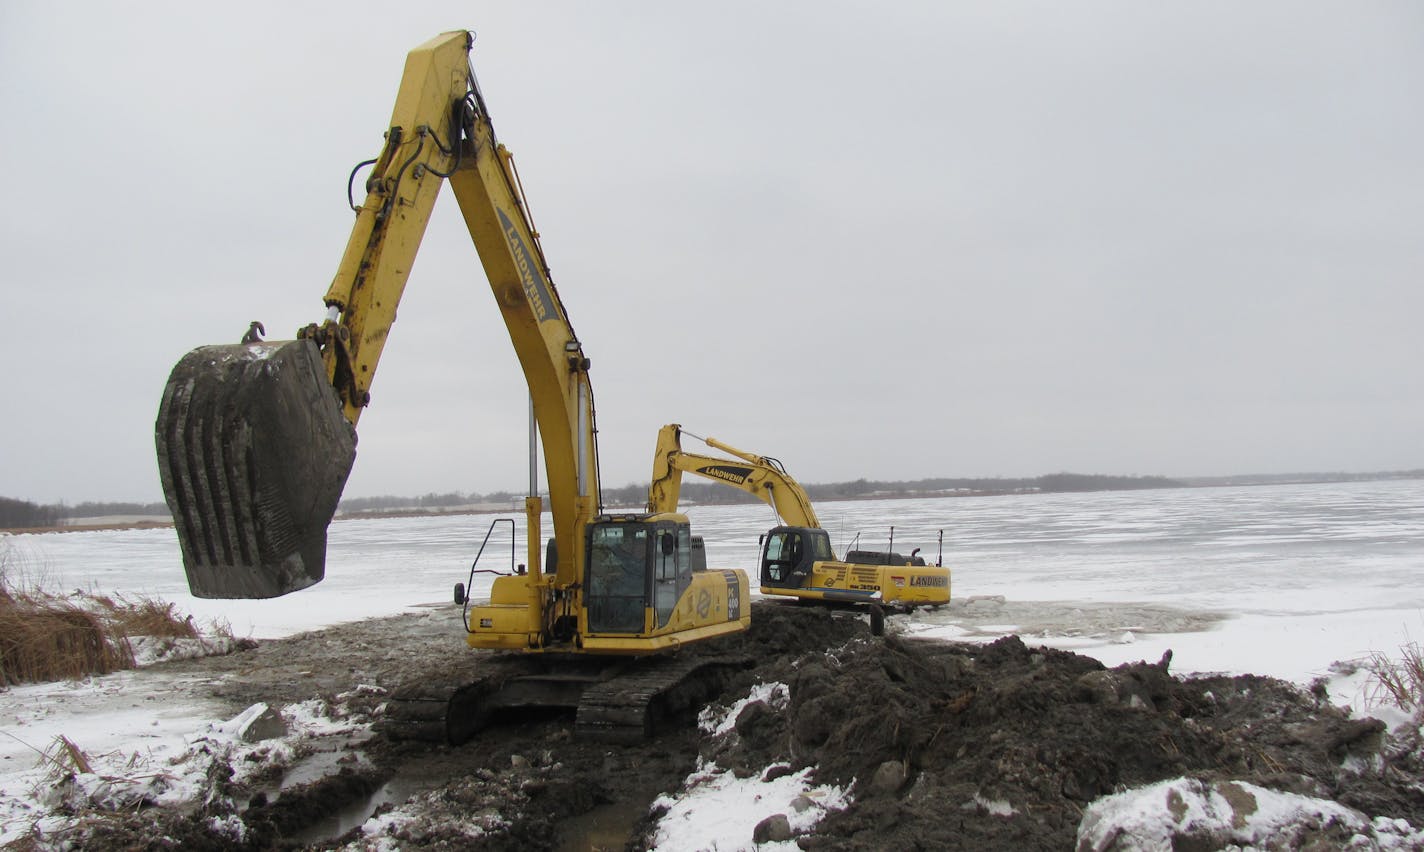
(636,495)
(22,514)
(1056,482)
(695,490)
(95,510)
(1292,478)
(425,501)
(713,493)
(15,514)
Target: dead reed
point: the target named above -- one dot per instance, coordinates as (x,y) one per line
(1400,680)
(45,636)
(146,617)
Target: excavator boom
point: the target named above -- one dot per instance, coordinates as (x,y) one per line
(760,476)
(255,440)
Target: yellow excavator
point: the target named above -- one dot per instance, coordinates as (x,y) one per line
(255,441)
(797,559)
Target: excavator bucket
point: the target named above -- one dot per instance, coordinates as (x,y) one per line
(253,452)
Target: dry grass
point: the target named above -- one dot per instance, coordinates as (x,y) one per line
(46,637)
(1399,681)
(69,757)
(147,617)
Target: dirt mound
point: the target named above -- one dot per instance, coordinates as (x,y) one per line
(1001,746)
(992,747)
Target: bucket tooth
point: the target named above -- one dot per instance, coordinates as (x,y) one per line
(253,452)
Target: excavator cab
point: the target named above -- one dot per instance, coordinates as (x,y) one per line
(618,561)
(253,453)
(636,563)
(788,553)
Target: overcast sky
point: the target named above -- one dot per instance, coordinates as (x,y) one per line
(882,240)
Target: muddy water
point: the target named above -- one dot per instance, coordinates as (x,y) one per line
(604,829)
(355,813)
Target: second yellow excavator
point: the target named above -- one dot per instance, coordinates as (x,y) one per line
(797,559)
(255,441)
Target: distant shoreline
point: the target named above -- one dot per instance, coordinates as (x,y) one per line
(143,522)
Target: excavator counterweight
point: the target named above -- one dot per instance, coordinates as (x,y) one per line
(253,452)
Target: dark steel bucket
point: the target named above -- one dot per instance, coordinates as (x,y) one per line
(253,452)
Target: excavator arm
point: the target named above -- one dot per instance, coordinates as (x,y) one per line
(255,440)
(797,559)
(760,476)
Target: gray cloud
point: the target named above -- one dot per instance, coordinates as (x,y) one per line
(890,240)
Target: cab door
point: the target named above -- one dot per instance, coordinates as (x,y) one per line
(782,558)
(672,569)
(618,562)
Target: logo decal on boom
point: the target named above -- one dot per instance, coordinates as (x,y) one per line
(729,473)
(536,289)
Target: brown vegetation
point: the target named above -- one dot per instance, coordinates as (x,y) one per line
(1399,681)
(44,636)
(147,617)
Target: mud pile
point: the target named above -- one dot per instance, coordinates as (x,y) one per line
(1002,746)
(991,747)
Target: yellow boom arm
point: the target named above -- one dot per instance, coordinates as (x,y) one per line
(759,476)
(253,451)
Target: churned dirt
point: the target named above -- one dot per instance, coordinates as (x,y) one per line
(944,746)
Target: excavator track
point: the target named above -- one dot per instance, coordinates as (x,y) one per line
(628,708)
(618,701)
(452,709)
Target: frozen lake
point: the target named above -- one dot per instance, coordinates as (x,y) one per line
(1306,574)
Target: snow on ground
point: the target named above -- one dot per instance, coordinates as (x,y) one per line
(383,832)
(117,742)
(716,723)
(1331,646)
(717,810)
(124,728)
(1278,580)
(1186,813)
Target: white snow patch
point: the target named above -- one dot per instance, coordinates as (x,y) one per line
(231,826)
(81,764)
(1229,814)
(999,629)
(716,722)
(717,810)
(947,632)
(996,807)
(390,831)
(148,650)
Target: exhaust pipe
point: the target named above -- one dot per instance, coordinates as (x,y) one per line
(253,453)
